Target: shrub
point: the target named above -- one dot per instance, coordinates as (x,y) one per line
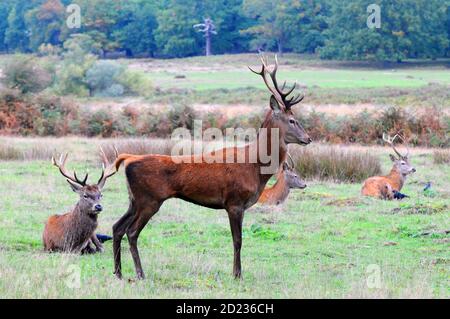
(335,163)
(71,74)
(102,79)
(136,83)
(26,75)
(17,114)
(181,115)
(56,115)
(100,123)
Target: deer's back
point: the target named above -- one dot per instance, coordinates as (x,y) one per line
(214,185)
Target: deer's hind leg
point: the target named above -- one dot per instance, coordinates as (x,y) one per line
(119,230)
(141,218)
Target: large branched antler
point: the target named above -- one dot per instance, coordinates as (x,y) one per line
(279,93)
(108,169)
(62,169)
(391,142)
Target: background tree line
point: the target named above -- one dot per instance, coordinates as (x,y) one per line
(334,29)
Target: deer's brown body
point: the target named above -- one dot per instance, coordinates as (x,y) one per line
(287,179)
(152,179)
(384,187)
(74,232)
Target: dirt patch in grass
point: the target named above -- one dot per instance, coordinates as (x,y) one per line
(421,209)
(342,202)
(312,196)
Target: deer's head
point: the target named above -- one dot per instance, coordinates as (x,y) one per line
(291,176)
(401,162)
(90,195)
(281,115)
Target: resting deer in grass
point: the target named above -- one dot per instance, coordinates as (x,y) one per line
(152,179)
(287,179)
(74,232)
(386,187)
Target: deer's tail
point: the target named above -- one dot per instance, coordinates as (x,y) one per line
(121,158)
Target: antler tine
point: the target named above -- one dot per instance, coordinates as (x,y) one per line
(81,182)
(107,171)
(292,161)
(288,103)
(262,73)
(61,165)
(406,145)
(390,141)
(297,99)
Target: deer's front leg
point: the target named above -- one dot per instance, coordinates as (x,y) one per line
(98,245)
(236,216)
(88,248)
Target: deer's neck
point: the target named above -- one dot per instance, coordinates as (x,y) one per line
(396,179)
(83,218)
(279,191)
(272,149)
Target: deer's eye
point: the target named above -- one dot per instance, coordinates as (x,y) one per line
(85,196)
(291,121)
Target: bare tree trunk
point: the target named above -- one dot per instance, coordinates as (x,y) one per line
(280,47)
(208,44)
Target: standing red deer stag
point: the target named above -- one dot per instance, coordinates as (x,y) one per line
(287,179)
(152,179)
(74,232)
(385,187)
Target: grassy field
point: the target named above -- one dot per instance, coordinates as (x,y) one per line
(226,80)
(322,78)
(228,71)
(327,241)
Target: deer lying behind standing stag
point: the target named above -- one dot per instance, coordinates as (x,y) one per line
(152,179)
(287,179)
(74,232)
(386,187)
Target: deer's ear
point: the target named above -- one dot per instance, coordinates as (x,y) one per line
(392,157)
(75,187)
(274,104)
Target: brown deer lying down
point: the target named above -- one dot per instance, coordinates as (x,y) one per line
(287,179)
(74,232)
(385,187)
(152,179)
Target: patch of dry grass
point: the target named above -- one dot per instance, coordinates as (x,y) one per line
(335,163)
(441,157)
(13,153)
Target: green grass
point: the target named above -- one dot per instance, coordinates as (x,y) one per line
(322,78)
(320,244)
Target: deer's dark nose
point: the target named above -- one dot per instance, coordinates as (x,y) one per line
(98,208)
(413,170)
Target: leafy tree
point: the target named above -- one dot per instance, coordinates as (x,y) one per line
(270,29)
(4,13)
(16,35)
(71,76)
(308,18)
(175,35)
(135,26)
(408,30)
(46,22)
